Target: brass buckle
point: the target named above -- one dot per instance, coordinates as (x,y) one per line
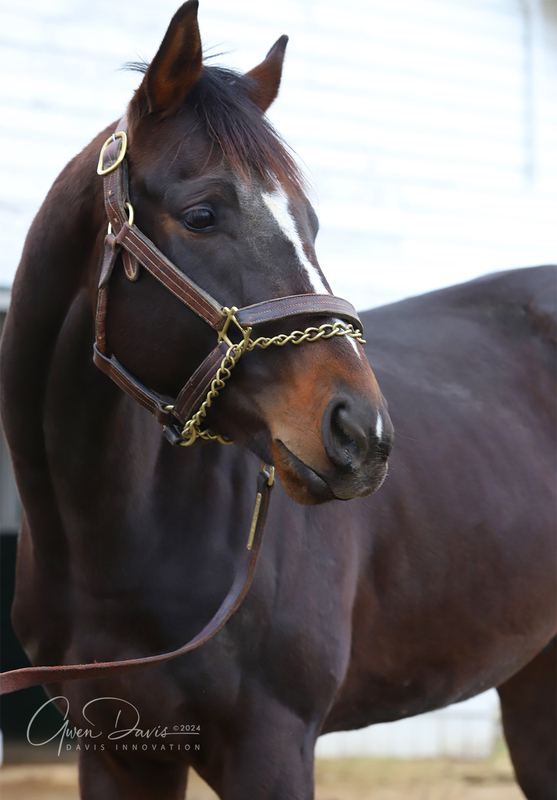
(271,478)
(101,169)
(257,509)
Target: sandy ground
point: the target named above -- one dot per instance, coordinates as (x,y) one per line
(342,779)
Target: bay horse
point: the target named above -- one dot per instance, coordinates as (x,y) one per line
(433,590)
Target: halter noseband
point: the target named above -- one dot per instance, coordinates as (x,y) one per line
(183,418)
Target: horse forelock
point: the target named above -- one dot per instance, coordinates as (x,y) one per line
(247,139)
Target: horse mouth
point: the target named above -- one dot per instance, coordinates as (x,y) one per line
(302,483)
(306,486)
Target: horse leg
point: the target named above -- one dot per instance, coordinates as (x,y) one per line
(103,776)
(270,756)
(528,706)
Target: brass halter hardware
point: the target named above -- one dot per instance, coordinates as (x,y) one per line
(192,429)
(101,169)
(130,216)
(230,314)
(257,508)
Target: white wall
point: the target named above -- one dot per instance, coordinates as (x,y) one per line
(464,730)
(428,126)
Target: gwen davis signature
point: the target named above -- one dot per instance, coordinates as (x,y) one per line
(69,733)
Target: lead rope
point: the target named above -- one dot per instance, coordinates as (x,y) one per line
(18,679)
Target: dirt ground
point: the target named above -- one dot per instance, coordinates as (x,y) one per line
(338,779)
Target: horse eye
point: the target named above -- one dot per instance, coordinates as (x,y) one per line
(199,219)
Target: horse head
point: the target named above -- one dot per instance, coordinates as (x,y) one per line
(213,185)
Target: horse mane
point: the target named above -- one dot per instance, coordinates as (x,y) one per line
(248,140)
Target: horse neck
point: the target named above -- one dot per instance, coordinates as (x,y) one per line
(58,264)
(94,455)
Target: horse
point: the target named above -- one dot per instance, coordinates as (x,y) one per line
(430,591)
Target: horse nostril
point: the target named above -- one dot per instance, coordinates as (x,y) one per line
(345,440)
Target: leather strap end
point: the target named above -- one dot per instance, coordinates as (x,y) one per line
(265,483)
(172,434)
(110,254)
(131,266)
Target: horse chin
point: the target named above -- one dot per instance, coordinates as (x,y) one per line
(307,487)
(301,482)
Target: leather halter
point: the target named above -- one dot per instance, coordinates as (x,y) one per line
(137,250)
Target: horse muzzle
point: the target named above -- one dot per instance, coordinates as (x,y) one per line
(351,459)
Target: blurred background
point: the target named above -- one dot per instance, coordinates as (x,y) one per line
(428,129)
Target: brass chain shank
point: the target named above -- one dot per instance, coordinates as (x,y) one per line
(192,429)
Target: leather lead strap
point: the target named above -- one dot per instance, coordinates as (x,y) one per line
(34,676)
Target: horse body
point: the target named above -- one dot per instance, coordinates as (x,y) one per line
(458,590)
(428,592)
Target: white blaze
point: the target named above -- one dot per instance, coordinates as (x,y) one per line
(277,203)
(352,342)
(379,426)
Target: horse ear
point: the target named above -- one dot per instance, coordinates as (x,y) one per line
(176,68)
(265,77)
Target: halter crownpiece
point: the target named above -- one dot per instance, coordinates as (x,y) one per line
(182,420)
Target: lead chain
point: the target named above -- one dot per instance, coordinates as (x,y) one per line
(192,430)
(325,331)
